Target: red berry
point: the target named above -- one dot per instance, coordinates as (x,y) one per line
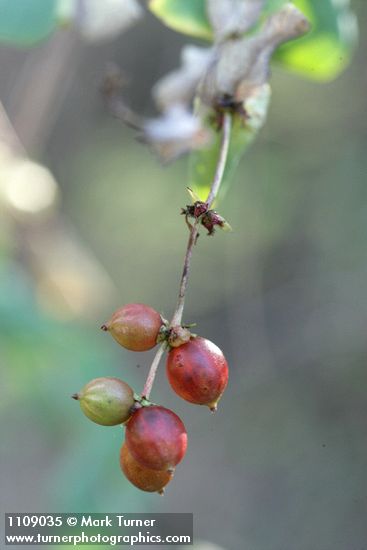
(135,326)
(156,437)
(198,372)
(144,478)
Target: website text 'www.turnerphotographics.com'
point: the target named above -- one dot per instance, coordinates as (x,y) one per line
(110,529)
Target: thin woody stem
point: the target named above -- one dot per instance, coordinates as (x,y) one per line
(152,371)
(217,180)
(222,160)
(177,315)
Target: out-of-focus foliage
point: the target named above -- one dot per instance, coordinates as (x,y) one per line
(321,55)
(188,16)
(324,52)
(96,20)
(25,23)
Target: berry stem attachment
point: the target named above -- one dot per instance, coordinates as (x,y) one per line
(194,232)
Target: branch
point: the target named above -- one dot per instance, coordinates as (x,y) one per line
(213,192)
(223,155)
(152,371)
(177,315)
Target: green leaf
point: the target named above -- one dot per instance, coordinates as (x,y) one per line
(273,5)
(202,163)
(190,17)
(325,51)
(23,23)
(186,16)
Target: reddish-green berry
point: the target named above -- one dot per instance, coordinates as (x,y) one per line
(152,481)
(135,326)
(198,372)
(106,401)
(156,437)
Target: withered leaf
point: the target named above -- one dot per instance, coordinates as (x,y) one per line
(98,20)
(242,65)
(232,17)
(179,86)
(176,132)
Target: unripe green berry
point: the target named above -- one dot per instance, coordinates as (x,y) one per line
(106,401)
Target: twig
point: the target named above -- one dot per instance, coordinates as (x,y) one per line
(177,315)
(223,154)
(152,371)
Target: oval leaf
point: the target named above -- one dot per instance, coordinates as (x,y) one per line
(25,23)
(324,52)
(186,16)
(203,162)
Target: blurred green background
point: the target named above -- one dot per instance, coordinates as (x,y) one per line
(281,466)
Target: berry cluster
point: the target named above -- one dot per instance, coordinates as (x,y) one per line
(156,438)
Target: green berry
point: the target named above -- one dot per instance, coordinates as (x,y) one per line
(106,401)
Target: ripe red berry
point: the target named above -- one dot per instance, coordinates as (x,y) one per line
(106,401)
(135,326)
(156,437)
(198,372)
(152,481)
